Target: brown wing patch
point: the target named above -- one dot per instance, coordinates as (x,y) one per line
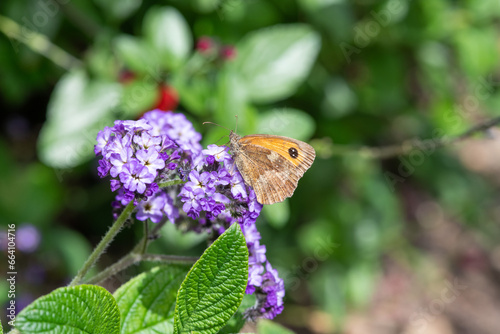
(300,154)
(271,165)
(273,179)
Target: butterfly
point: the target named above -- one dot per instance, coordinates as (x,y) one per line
(271,165)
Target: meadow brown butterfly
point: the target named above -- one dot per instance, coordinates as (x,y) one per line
(271,165)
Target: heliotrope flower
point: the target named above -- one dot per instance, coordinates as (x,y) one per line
(217,196)
(160,147)
(157,207)
(140,154)
(263,280)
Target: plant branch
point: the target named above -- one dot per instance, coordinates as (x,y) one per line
(406,147)
(170,259)
(137,254)
(133,258)
(103,244)
(158,227)
(38,43)
(145,238)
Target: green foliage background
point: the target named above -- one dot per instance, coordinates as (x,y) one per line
(359,229)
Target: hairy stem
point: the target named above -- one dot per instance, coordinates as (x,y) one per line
(133,258)
(137,254)
(101,247)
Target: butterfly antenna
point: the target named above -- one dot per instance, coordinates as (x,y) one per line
(216,125)
(236,126)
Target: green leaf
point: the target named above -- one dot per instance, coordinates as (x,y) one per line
(474,51)
(269,327)
(238,320)
(277,214)
(339,100)
(147,301)
(275,61)
(287,122)
(168,33)
(205,6)
(100,58)
(231,96)
(77,110)
(80,309)
(194,92)
(180,240)
(119,9)
(214,287)
(139,96)
(136,54)
(1,327)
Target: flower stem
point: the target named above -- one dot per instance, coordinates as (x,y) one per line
(145,239)
(38,43)
(101,247)
(170,259)
(123,263)
(133,258)
(137,254)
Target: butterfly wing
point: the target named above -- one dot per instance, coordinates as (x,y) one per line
(273,165)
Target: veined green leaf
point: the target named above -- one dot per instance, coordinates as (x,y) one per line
(214,287)
(147,301)
(80,309)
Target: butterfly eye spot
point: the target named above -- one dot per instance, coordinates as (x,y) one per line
(293,152)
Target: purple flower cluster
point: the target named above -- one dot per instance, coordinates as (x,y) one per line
(160,147)
(217,196)
(140,154)
(263,280)
(216,190)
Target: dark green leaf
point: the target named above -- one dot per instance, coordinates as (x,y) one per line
(214,287)
(238,320)
(147,301)
(81,309)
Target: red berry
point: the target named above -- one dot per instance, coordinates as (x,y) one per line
(228,52)
(168,99)
(204,44)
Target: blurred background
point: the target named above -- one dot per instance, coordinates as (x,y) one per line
(386,233)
